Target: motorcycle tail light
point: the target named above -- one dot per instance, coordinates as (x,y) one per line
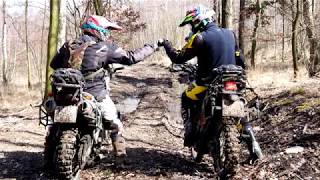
(230,86)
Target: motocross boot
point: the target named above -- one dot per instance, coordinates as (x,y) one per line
(186,111)
(119,148)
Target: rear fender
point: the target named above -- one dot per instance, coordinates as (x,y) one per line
(66,114)
(232,106)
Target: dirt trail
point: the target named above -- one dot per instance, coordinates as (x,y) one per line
(21,144)
(153,132)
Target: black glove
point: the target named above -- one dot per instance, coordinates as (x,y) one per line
(160,42)
(164,42)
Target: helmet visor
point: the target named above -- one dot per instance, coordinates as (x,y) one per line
(187,20)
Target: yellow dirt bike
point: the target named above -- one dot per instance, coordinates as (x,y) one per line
(222,121)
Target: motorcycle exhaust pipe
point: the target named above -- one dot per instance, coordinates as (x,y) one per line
(255,145)
(87,107)
(88,110)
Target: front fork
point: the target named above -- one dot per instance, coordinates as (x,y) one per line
(248,135)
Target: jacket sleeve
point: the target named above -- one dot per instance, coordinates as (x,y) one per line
(188,52)
(59,60)
(121,56)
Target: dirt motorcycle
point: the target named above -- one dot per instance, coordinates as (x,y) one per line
(75,124)
(222,121)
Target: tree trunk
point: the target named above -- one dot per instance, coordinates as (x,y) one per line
(242,18)
(42,43)
(62,23)
(294,44)
(98,7)
(227,14)
(215,6)
(275,31)
(283,36)
(308,20)
(313,7)
(52,41)
(76,17)
(254,34)
(109,8)
(27,43)
(4,46)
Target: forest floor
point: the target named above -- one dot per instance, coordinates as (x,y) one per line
(153,131)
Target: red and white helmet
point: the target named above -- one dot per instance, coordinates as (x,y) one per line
(99,26)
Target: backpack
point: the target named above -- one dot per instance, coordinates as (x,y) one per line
(76,50)
(66,86)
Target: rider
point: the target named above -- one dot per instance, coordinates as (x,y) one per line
(97,56)
(213,46)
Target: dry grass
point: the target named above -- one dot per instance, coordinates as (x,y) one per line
(271,82)
(276,76)
(18,97)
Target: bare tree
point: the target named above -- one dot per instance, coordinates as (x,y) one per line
(294,35)
(98,7)
(42,42)
(275,30)
(309,22)
(227,14)
(254,34)
(217,8)
(313,7)
(283,31)
(52,41)
(242,18)
(62,23)
(27,43)
(4,46)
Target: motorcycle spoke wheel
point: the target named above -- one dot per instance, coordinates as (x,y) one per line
(66,155)
(231,147)
(228,148)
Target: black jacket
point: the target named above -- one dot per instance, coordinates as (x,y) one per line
(97,56)
(213,47)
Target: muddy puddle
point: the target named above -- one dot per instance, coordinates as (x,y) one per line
(128,105)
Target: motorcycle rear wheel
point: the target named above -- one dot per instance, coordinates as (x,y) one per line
(226,155)
(66,155)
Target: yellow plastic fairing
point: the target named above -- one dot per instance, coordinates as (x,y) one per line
(190,42)
(193,90)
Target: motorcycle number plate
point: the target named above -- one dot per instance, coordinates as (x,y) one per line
(65,114)
(234,109)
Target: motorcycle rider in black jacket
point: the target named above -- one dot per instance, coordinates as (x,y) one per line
(97,56)
(213,46)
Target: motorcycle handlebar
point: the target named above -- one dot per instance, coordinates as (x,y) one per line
(117,69)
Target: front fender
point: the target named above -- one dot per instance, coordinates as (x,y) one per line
(66,114)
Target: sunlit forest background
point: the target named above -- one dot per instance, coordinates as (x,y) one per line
(275,35)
